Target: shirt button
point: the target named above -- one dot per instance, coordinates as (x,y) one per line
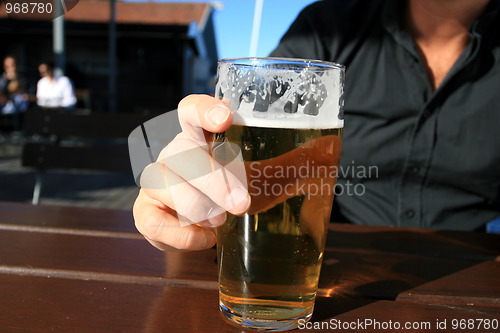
(427,113)
(415,169)
(410,213)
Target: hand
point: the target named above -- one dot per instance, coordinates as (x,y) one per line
(158,212)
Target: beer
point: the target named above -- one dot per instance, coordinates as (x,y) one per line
(286,139)
(270,259)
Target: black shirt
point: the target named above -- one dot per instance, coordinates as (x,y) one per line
(434,154)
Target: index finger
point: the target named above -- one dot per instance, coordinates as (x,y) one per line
(203,114)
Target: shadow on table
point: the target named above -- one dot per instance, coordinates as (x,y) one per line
(361,267)
(417,242)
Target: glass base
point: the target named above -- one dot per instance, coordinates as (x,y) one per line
(269,325)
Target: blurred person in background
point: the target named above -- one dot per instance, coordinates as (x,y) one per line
(13,97)
(54,91)
(9,74)
(421,104)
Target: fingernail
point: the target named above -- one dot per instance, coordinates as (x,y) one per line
(217,221)
(238,200)
(218,114)
(209,241)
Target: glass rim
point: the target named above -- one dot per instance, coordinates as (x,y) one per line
(248,61)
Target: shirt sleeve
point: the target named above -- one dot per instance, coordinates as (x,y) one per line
(302,40)
(38,95)
(330,30)
(68,94)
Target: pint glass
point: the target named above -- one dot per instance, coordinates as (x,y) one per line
(287,125)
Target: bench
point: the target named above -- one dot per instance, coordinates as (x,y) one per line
(77,140)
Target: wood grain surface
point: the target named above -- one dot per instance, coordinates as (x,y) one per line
(66,269)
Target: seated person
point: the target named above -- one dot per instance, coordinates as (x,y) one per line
(54,91)
(13,97)
(17,101)
(420,105)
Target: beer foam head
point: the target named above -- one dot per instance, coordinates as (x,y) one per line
(282,93)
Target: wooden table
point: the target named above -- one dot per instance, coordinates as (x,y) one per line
(86,270)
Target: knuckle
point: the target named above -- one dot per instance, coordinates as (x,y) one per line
(193,207)
(188,100)
(200,100)
(153,226)
(138,209)
(191,100)
(173,147)
(152,177)
(215,183)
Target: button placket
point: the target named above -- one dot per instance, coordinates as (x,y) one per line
(411,212)
(426,114)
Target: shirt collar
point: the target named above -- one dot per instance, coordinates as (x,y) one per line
(393,16)
(393,21)
(484,21)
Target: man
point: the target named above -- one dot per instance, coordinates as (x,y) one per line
(418,87)
(419,106)
(54,91)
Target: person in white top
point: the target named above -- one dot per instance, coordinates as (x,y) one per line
(54,91)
